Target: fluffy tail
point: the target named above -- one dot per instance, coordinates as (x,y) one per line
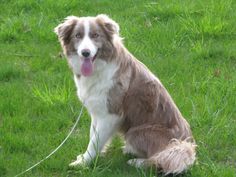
(176,158)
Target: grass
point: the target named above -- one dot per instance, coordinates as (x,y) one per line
(189,45)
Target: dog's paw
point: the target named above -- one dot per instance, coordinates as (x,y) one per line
(137,162)
(125,150)
(80,161)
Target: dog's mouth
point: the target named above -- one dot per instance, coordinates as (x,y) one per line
(87,67)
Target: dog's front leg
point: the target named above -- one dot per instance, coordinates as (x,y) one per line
(93,127)
(105,128)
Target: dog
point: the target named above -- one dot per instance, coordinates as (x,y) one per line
(123,96)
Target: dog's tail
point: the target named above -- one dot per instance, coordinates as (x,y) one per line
(176,158)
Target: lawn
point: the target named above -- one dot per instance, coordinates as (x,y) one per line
(190,45)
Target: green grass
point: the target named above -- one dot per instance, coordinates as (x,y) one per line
(189,45)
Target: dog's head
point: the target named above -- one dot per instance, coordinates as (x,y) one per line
(86,40)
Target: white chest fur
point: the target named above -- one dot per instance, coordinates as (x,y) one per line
(93,90)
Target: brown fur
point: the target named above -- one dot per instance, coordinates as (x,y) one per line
(145,101)
(151,118)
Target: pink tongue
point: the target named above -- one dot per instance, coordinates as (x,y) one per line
(87,67)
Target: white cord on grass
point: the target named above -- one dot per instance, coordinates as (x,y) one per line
(49,155)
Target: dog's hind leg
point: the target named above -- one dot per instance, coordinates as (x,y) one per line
(144,141)
(147,140)
(158,147)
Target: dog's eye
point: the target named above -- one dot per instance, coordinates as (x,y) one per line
(95,35)
(78,36)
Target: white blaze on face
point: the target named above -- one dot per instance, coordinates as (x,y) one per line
(87,43)
(80,64)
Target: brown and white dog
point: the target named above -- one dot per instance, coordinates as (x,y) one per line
(122,95)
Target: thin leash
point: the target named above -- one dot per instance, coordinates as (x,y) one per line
(55,150)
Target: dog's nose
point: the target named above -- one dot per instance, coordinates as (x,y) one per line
(85,52)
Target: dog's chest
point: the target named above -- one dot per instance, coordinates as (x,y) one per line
(93,90)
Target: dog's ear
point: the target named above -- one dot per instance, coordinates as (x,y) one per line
(65,29)
(109,25)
